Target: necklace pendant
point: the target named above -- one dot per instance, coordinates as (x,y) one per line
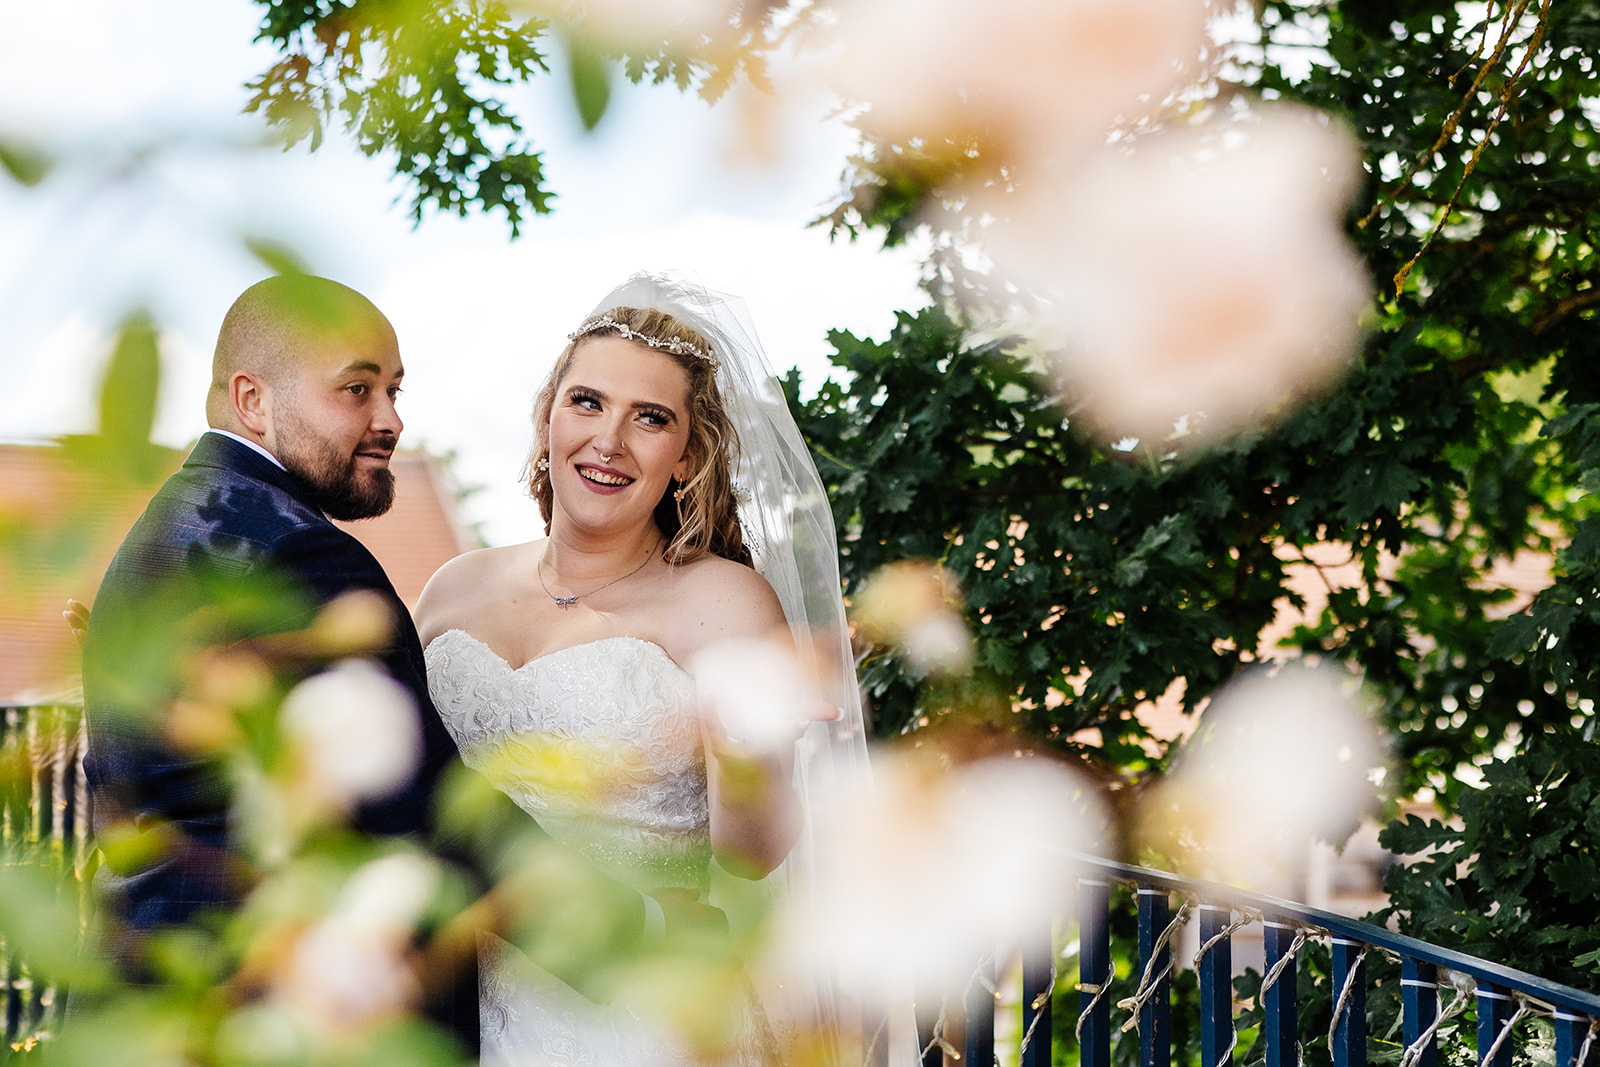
(565,602)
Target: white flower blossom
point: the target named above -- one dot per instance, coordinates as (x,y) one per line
(1302,742)
(350,970)
(927,869)
(1030,77)
(355,730)
(758,692)
(1204,278)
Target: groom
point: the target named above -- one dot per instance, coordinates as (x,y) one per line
(303,423)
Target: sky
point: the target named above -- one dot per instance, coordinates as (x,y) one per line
(161,177)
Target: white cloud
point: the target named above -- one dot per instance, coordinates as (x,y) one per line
(52,391)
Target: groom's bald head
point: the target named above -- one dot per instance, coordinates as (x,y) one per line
(283,325)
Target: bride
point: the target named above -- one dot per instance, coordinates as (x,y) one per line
(682,510)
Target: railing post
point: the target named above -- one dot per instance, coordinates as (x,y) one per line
(1278,1002)
(1094,969)
(979,1044)
(1350,1031)
(11,834)
(1216,987)
(1038,969)
(927,1029)
(1494,1011)
(1155,1017)
(1419,1006)
(1570,1032)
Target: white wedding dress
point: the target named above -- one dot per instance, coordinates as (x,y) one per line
(621,707)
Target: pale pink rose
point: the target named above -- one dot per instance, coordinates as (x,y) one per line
(757,691)
(914,605)
(1023,76)
(1203,277)
(338,981)
(354,730)
(1280,760)
(939,643)
(350,970)
(928,869)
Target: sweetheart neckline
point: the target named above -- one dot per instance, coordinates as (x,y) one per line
(647,643)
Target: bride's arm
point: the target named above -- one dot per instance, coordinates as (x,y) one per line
(755,814)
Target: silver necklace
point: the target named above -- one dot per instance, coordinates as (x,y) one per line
(565,602)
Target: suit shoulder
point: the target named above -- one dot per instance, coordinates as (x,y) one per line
(232,502)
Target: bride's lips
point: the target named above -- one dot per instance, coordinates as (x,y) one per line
(603,479)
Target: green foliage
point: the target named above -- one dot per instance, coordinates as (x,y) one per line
(1098,578)
(1531,840)
(1079,573)
(420,81)
(24,163)
(431,85)
(591,81)
(132,381)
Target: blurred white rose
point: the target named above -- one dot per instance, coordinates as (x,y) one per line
(939,642)
(1278,760)
(928,869)
(915,604)
(758,692)
(338,980)
(354,730)
(1200,276)
(1026,77)
(350,970)
(387,896)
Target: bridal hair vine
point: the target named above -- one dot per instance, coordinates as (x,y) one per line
(673,345)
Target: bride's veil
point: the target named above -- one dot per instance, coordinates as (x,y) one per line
(789,529)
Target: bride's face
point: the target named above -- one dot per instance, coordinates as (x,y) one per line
(627,401)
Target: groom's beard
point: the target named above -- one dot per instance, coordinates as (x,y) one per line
(333,482)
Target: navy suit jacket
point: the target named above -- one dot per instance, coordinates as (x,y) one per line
(230,523)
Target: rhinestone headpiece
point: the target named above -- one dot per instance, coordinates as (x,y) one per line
(673,345)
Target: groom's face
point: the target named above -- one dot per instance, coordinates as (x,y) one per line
(334,423)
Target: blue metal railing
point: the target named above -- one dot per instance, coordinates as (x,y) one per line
(1502,996)
(44,810)
(44,818)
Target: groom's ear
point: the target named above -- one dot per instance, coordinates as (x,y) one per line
(250,398)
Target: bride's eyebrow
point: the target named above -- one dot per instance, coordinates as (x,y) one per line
(656,408)
(589,392)
(578,391)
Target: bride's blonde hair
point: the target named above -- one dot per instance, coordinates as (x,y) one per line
(701,514)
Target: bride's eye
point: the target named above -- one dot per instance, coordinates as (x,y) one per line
(656,417)
(584,399)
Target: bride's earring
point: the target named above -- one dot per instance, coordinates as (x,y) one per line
(542,464)
(678,495)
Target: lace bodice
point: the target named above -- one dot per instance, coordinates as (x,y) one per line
(598,742)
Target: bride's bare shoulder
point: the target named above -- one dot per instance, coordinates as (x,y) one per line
(726,599)
(458,591)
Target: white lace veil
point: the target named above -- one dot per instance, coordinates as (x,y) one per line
(788,527)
